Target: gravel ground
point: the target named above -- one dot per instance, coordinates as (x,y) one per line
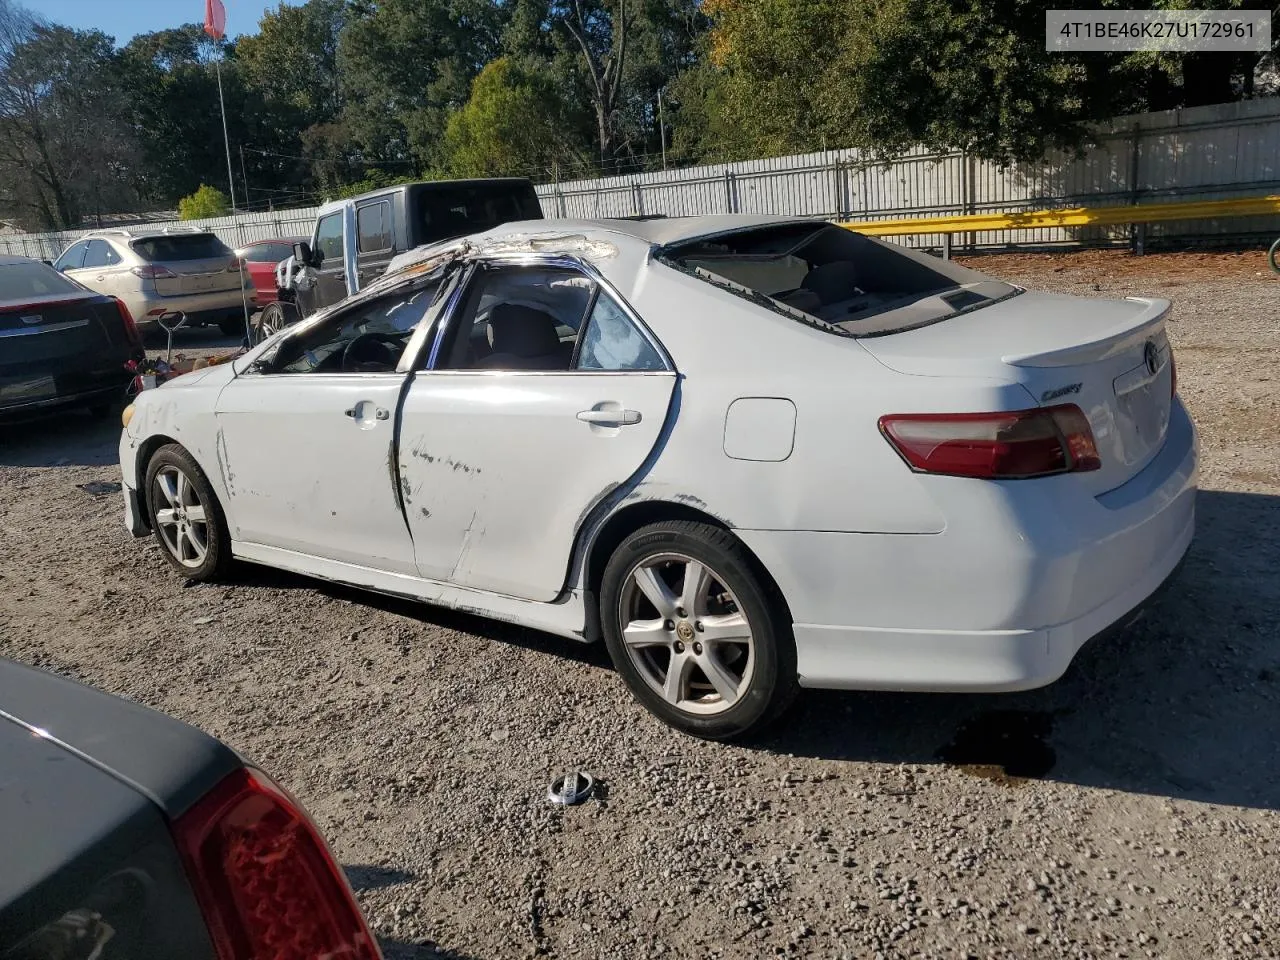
(1128,810)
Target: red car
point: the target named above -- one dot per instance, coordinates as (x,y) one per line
(261,257)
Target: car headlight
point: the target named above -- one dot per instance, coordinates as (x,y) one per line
(126,416)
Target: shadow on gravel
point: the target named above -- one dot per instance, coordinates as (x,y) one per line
(363,876)
(63,438)
(593,654)
(399,950)
(1184,704)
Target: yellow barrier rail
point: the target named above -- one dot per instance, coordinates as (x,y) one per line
(1075,217)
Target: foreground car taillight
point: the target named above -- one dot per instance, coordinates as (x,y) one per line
(126,318)
(265,880)
(1012,445)
(152,271)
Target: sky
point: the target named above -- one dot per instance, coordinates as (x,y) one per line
(124,19)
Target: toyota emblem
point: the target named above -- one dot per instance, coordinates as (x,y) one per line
(1151,357)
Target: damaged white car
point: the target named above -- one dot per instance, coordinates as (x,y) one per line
(750,455)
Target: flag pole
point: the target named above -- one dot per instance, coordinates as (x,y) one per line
(226,140)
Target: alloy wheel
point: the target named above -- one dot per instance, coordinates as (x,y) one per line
(686,633)
(181,517)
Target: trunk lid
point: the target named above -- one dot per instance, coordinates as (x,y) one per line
(1111,358)
(59,346)
(197,263)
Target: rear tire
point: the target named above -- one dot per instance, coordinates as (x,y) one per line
(186,518)
(713,656)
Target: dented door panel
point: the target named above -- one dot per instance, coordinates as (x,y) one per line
(310,466)
(498,470)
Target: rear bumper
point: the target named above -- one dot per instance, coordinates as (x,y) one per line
(21,399)
(1022,577)
(146,307)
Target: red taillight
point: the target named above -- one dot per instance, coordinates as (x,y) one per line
(1173,373)
(1017,444)
(126,318)
(267,885)
(152,271)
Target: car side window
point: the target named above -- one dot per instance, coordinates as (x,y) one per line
(368,338)
(373,227)
(613,342)
(73,257)
(97,254)
(329,237)
(519,318)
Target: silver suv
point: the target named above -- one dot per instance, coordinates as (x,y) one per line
(158,271)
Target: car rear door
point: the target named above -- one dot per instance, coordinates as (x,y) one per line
(504,450)
(375,239)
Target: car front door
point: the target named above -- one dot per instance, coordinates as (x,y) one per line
(544,395)
(324,285)
(307,445)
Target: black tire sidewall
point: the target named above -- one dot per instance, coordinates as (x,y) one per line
(219,554)
(774,647)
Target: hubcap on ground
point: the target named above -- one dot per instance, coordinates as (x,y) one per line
(686,633)
(183,525)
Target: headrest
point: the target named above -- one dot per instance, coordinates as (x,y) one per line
(834,281)
(523,331)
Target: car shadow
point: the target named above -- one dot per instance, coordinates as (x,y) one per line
(62,438)
(1182,704)
(393,949)
(592,654)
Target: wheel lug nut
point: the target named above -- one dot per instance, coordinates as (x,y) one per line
(669,626)
(680,612)
(679,647)
(697,648)
(699,627)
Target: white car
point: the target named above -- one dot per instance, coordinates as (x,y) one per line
(749,454)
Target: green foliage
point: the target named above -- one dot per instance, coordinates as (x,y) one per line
(334,97)
(374,180)
(512,125)
(204,203)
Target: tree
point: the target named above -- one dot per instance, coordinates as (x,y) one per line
(405,65)
(514,124)
(204,203)
(65,146)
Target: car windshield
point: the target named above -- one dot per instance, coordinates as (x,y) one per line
(31,281)
(177,247)
(853,284)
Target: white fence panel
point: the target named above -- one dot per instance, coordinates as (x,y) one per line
(1209,152)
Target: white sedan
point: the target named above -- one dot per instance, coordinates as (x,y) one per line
(751,455)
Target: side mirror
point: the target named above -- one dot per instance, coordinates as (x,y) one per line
(303,254)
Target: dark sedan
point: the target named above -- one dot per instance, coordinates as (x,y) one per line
(128,834)
(60,343)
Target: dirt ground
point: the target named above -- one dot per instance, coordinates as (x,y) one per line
(1130,810)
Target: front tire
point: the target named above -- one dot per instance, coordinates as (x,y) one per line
(275,317)
(696,630)
(186,518)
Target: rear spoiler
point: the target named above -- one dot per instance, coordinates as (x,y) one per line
(1114,341)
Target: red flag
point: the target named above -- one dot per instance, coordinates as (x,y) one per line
(215,19)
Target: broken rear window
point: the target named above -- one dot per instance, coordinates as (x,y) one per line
(851,284)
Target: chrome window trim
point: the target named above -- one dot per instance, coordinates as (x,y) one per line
(552,260)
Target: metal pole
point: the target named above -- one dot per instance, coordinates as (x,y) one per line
(662,131)
(226,140)
(244,176)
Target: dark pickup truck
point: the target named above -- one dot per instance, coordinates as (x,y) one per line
(354,240)
(128,835)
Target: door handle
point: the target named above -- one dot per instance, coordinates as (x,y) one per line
(611,417)
(380,413)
